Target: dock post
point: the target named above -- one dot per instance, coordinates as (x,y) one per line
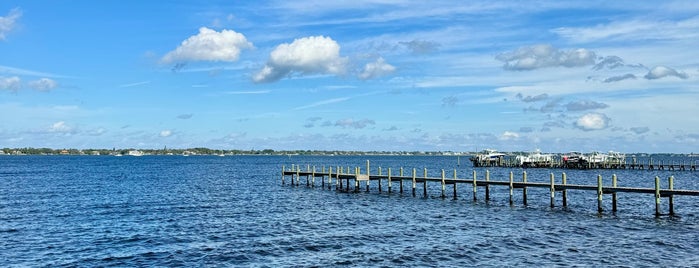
(670,198)
(565,191)
(298,177)
(379,179)
(599,193)
(512,176)
(368,174)
(283,168)
(330,178)
(487,185)
(389,180)
(524,188)
(414,173)
(444,187)
(657,196)
(356,181)
(454,184)
(313,177)
(401,180)
(553,191)
(474,186)
(614,193)
(424,184)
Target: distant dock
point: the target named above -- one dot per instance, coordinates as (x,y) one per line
(348,180)
(559,163)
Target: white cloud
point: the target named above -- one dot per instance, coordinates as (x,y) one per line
(509,135)
(351,123)
(376,69)
(661,71)
(10,83)
(541,56)
(60,127)
(636,29)
(308,55)
(43,84)
(165,133)
(7,23)
(209,45)
(592,121)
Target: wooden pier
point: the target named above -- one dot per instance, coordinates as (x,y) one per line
(342,178)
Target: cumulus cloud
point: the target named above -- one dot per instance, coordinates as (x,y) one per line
(10,83)
(392,128)
(639,130)
(536,98)
(7,23)
(609,62)
(308,55)
(420,46)
(376,69)
(592,121)
(541,56)
(619,78)
(583,105)
(509,135)
(661,71)
(60,127)
(351,123)
(185,116)
(209,45)
(43,84)
(165,133)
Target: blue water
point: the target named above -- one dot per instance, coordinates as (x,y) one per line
(233,211)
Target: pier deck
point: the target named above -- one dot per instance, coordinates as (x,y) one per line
(342,178)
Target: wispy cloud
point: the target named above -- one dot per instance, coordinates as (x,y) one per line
(323,102)
(7,70)
(7,23)
(135,84)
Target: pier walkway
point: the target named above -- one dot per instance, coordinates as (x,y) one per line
(342,178)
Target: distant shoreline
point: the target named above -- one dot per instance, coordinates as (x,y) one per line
(221,152)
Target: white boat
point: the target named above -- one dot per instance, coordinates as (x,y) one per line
(616,158)
(135,153)
(596,158)
(535,159)
(487,157)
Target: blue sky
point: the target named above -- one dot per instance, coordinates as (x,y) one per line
(351,75)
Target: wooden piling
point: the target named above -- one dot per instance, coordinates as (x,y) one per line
(283,168)
(657,196)
(313,177)
(512,176)
(414,184)
(389,180)
(368,174)
(444,186)
(487,185)
(474,186)
(455,184)
(553,191)
(424,184)
(379,179)
(599,193)
(524,188)
(330,178)
(614,193)
(565,191)
(356,181)
(670,198)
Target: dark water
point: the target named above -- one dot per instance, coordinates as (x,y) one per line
(233,211)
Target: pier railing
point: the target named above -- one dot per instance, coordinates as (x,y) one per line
(342,177)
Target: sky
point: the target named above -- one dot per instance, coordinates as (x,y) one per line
(362,75)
